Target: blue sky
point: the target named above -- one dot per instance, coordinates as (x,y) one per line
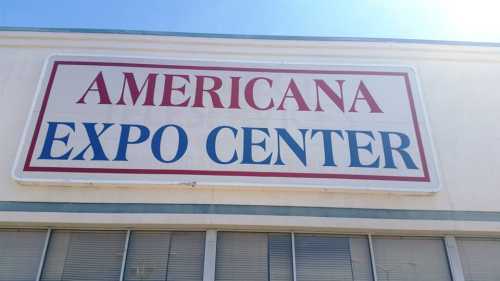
(477,20)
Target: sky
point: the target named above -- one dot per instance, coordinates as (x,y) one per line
(473,21)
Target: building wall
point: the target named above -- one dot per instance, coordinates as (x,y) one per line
(458,85)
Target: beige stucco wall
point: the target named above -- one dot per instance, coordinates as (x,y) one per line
(459,85)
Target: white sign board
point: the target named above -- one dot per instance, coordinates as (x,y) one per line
(144,121)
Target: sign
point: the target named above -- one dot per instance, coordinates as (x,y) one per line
(143,121)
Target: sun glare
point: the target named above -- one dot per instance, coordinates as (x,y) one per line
(477,20)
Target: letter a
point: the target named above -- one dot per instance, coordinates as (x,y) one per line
(366,96)
(101,89)
(295,94)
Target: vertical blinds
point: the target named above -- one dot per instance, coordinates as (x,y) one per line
(84,256)
(411,259)
(480,258)
(253,257)
(20,254)
(155,256)
(331,258)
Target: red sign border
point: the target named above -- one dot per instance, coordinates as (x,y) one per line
(28,168)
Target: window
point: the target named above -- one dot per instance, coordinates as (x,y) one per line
(480,258)
(84,256)
(253,257)
(160,255)
(20,254)
(411,259)
(332,258)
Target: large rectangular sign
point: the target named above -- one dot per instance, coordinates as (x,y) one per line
(144,121)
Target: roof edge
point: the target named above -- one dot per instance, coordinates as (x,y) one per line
(249,36)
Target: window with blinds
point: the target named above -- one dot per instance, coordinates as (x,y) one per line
(84,256)
(360,259)
(81,255)
(332,258)
(253,257)
(20,254)
(161,256)
(411,259)
(480,258)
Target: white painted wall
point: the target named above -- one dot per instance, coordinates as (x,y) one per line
(459,85)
